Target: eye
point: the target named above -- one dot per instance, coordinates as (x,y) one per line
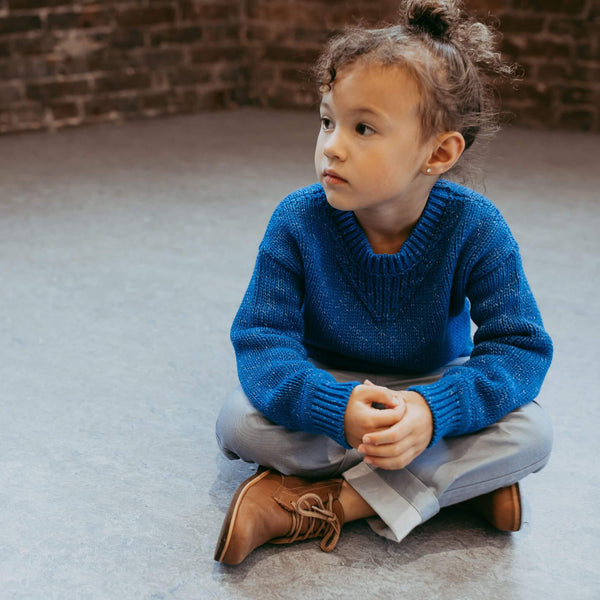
(326,123)
(363,129)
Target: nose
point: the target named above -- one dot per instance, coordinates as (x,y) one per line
(334,145)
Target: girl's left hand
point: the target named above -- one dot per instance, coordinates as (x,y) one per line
(400,444)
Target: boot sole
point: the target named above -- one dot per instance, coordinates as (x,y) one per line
(516,498)
(227,528)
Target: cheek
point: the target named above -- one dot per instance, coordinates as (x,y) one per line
(377,169)
(318,152)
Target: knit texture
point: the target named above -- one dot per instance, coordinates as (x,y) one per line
(318,291)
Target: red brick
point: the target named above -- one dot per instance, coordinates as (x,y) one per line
(161,57)
(190,76)
(4,49)
(90,16)
(529,91)
(292,54)
(17,24)
(35,67)
(155,102)
(26,117)
(572,7)
(40,43)
(296,75)
(577,119)
(259,33)
(577,28)
(211,12)
(133,17)
(211,54)
(535,115)
(65,20)
(126,38)
(254,9)
(513,46)
(64,110)
(579,95)
(486,5)
(177,35)
(35,4)
(10,93)
(118,82)
(262,74)
(222,32)
(586,72)
(554,72)
(518,23)
(111,104)
(588,50)
(56,89)
(230,74)
(298,97)
(548,48)
(192,100)
(311,35)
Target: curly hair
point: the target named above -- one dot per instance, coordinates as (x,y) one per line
(452,57)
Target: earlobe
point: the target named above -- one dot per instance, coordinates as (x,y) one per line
(448,150)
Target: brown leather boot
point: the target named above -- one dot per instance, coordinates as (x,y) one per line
(271,507)
(502,508)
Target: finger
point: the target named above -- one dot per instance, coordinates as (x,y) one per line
(389,427)
(385,435)
(386,450)
(387,399)
(382,396)
(378,420)
(393,462)
(398,439)
(381,420)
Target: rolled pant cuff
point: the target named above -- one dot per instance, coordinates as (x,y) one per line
(398,514)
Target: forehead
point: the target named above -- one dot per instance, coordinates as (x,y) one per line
(389,90)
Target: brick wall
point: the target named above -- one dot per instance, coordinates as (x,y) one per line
(67,63)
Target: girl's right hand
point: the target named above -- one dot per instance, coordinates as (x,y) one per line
(371,408)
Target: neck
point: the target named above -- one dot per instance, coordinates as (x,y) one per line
(388,227)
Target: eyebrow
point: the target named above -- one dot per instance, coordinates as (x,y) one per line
(363,110)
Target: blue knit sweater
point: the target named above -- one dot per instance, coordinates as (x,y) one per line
(319,291)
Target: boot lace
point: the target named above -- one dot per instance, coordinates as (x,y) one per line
(312,518)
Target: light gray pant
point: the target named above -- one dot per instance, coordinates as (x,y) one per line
(454,470)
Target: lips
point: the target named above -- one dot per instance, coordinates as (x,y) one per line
(331,177)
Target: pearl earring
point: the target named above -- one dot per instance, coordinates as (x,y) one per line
(428,171)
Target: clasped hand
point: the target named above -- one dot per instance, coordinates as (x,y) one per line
(392,433)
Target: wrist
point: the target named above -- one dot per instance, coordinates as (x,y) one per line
(425,415)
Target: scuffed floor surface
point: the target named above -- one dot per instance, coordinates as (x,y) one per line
(124,253)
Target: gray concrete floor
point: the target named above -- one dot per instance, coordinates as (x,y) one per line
(124,253)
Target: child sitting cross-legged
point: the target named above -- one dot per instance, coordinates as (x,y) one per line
(363,392)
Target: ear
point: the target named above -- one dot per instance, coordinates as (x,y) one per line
(448,148)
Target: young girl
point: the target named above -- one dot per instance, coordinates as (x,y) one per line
(353,341)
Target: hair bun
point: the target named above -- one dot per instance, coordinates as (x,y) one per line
(434,18)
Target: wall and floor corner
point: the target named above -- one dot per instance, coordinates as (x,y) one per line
(66,64)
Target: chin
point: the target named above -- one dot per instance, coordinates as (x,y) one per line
(336,200)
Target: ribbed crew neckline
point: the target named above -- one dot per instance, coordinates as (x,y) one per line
(354,239)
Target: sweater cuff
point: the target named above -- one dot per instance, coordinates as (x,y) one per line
(328,409)
(442,397)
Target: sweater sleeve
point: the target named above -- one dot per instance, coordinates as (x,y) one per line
(512,352)
(267,335)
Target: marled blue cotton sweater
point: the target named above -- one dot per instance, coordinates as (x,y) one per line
(319,291)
